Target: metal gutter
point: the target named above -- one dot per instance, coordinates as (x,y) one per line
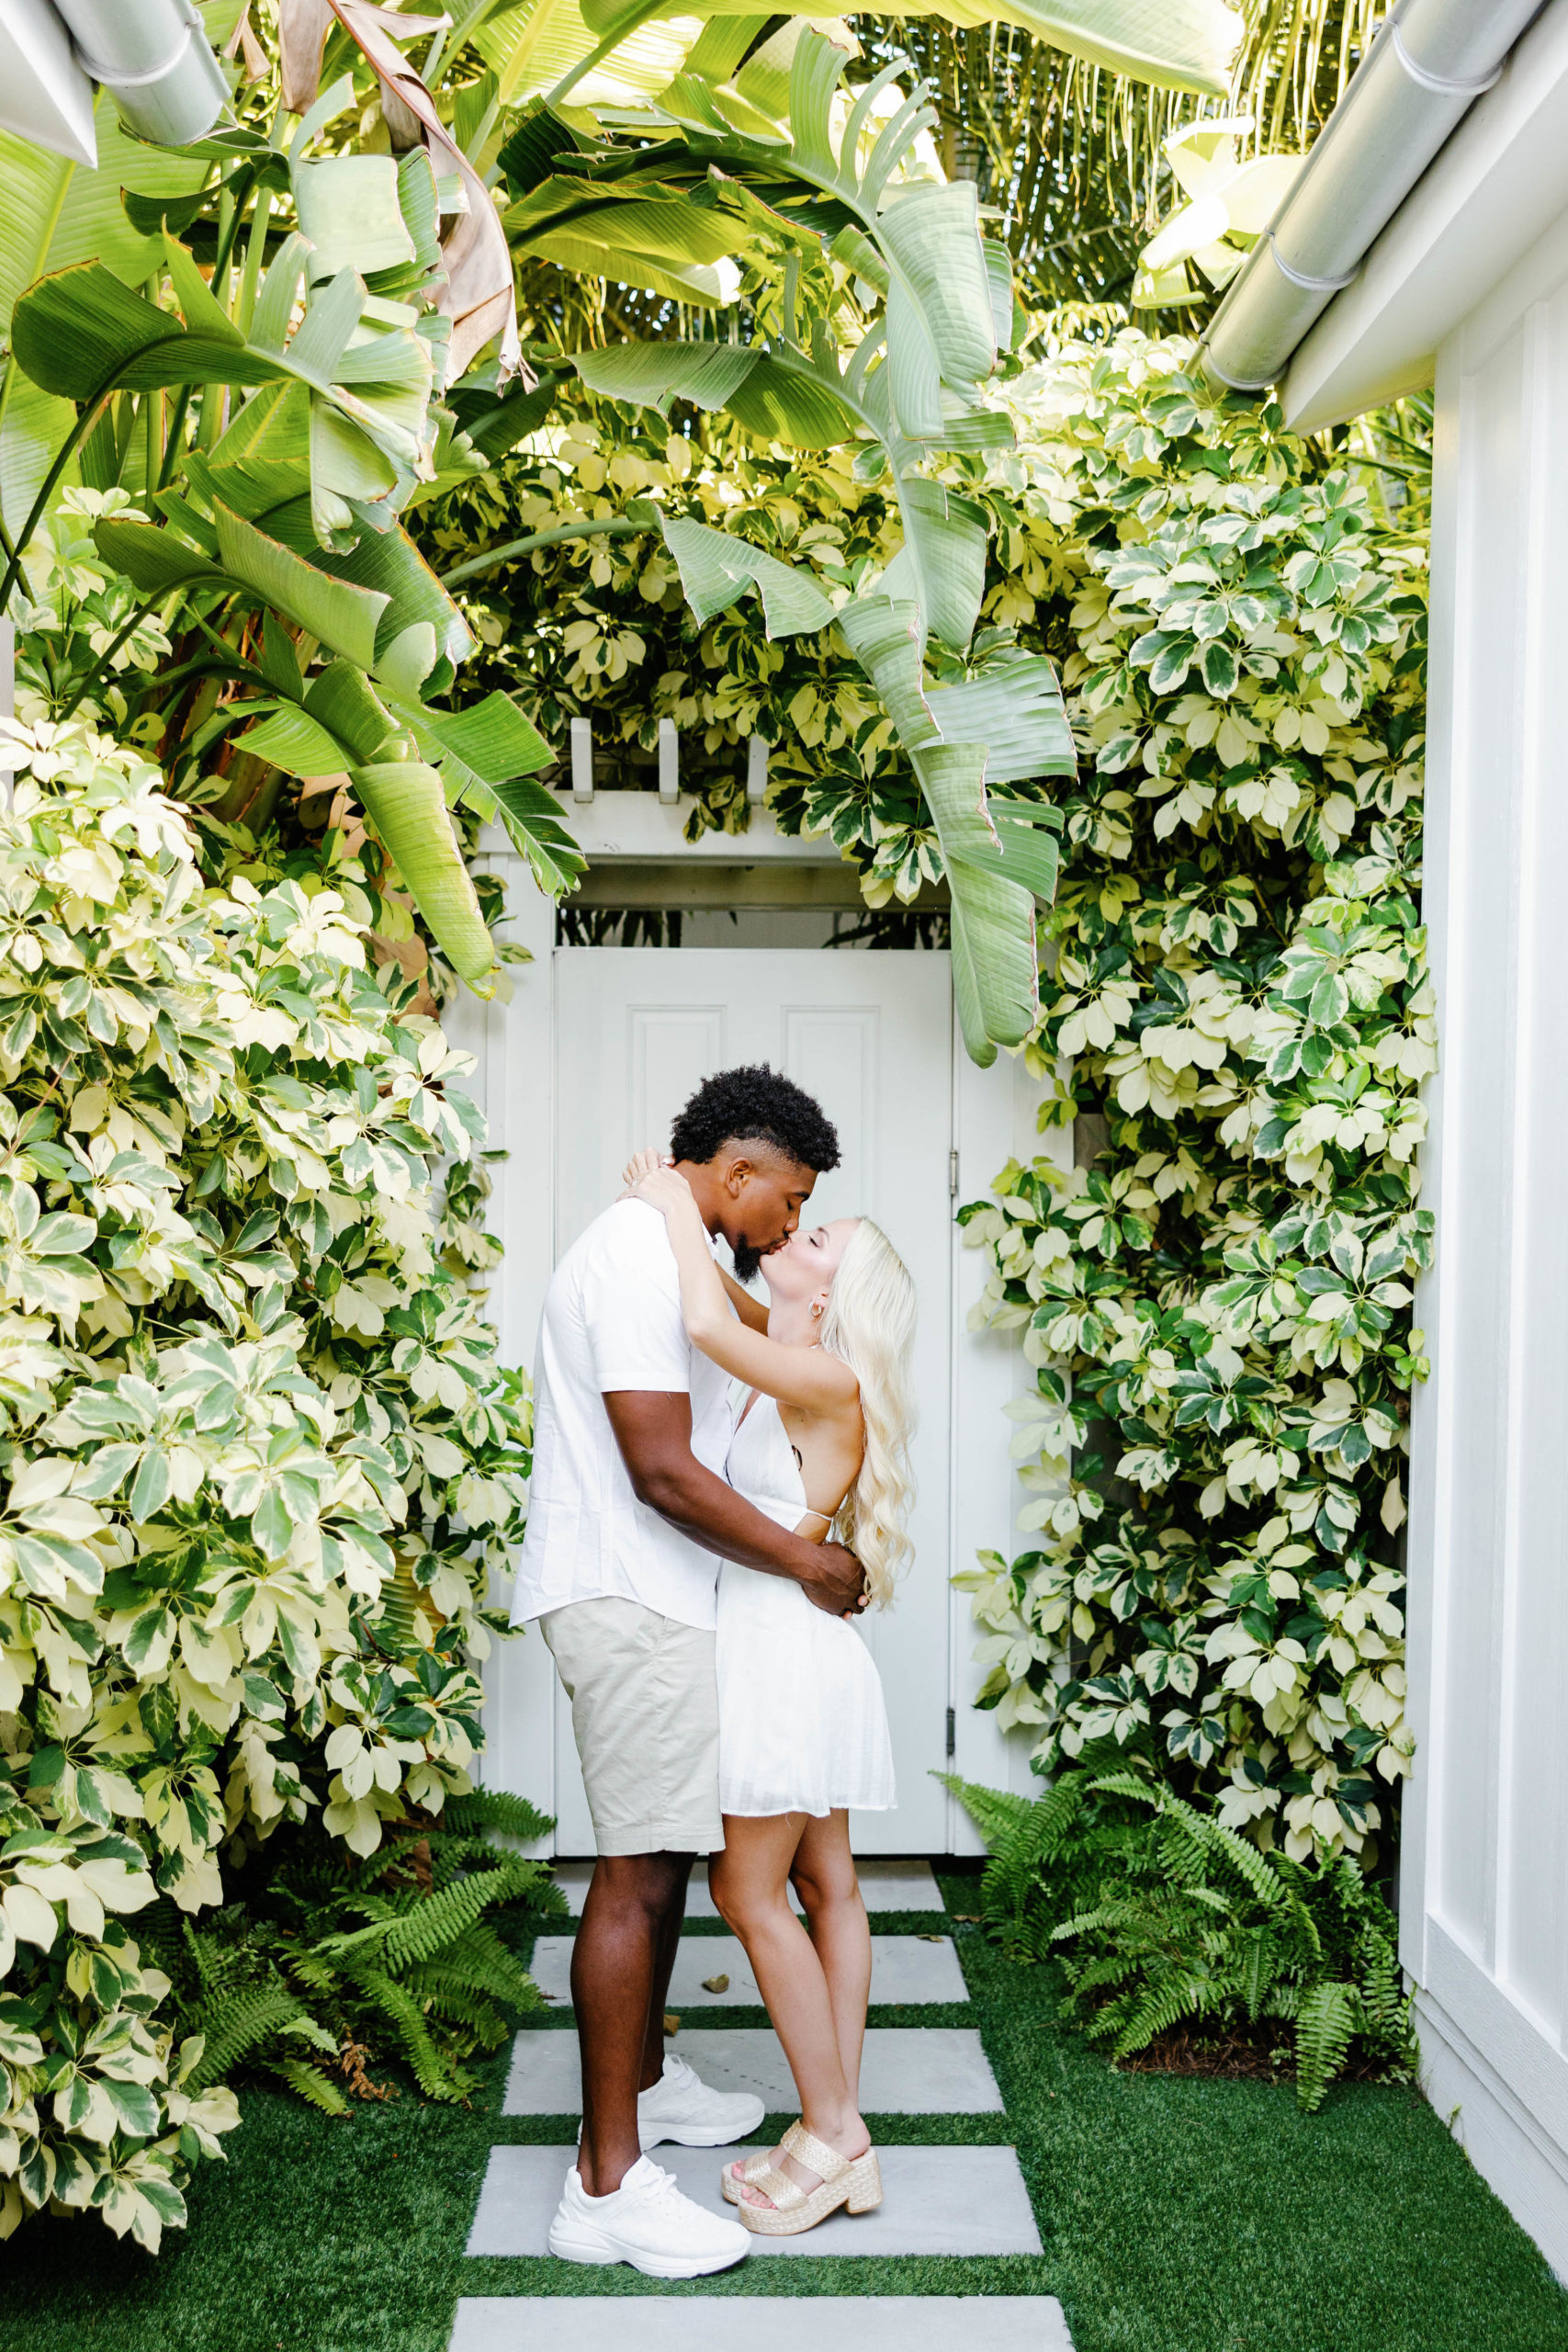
(156,59)
(1428,63)
(154,55)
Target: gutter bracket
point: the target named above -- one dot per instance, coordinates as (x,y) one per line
(1311,285)
(111,81)
(1435,82)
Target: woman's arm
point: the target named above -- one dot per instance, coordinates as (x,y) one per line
(751,1310)
(804,1376)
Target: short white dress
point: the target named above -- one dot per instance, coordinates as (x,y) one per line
(801,1723)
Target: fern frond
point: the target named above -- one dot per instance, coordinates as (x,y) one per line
(993,1811)
(1187,1995)
(437,2076)
(479,1959)
(498,1810)
(236,2024)
(309,2083)
(459,2006)
(1325,2030)
(1258,1967)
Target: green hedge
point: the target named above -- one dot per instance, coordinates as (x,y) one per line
(258,1455)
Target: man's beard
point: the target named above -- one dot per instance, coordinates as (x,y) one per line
(748,1260)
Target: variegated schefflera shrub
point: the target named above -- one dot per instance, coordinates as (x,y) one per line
(257,1459)
(1237,1016)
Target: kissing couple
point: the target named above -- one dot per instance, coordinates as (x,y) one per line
(718,1489)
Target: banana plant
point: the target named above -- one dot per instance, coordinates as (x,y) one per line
(972,711)
(623,55)
(292,510)
(52,212)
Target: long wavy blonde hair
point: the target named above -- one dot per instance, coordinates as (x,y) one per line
(869,1322)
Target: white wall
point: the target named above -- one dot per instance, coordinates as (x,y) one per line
(1485,1891)
(993,1120)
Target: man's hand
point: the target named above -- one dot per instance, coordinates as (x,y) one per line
(839,1586)
(654,1434)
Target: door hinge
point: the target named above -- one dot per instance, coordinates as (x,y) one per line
(953,1174)
(953,1731)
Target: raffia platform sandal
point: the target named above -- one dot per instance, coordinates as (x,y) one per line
(854,2182)
(750,2172)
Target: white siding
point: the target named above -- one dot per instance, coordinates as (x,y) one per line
(1484,1919)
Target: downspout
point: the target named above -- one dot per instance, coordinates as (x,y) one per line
(1428,63)
(156,59)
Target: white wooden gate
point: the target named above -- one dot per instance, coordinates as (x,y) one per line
(597,1049)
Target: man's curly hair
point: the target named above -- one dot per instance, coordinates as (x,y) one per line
(755,1106)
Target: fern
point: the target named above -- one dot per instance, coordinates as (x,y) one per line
(498,1810)
(436,2076)
(309,2083)
(235,2024)
(1325,2027)
(1158,1914)
(394,1957)
(441,1918)
(994,1812)
(481,1960)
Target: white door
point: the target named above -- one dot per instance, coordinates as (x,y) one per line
(868,1035)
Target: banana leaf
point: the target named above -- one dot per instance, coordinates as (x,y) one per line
(717,567)
(54,213)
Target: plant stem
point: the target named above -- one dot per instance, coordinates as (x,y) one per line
(63,455)
(614,527)
(256,255)
(102,664)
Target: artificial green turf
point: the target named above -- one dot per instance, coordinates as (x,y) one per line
(1177,2215)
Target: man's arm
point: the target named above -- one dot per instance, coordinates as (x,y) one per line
(653,1430)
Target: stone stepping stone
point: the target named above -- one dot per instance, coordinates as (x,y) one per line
(908,2070)
(761,2323)
(902,1968)
(886,1884)
(937,2200)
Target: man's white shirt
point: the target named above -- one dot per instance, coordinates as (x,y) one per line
(613,1321)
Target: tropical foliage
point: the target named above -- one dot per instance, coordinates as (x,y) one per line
(279,536)
(1079,164)
(1162,1917)
(282,515)
(318,1960)
(1217,1298)
(259,1459)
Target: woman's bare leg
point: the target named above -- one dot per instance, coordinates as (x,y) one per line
(823,1875)
(749,1884)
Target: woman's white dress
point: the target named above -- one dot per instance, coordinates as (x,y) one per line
(802,1725)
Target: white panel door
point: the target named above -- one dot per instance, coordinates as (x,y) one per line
(868,1035)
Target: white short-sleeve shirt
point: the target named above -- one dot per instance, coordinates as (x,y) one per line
(611,1321)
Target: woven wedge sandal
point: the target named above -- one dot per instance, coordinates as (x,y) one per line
(854,2182)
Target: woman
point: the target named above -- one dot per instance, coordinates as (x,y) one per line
(821,1446)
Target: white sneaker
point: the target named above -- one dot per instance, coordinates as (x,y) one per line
(647,2221)
(682,2108)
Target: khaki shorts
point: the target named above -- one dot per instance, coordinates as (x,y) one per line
(645,1710)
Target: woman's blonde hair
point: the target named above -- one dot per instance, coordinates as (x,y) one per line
(869,1322)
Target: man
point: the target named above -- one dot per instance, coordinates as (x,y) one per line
(629,1518)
